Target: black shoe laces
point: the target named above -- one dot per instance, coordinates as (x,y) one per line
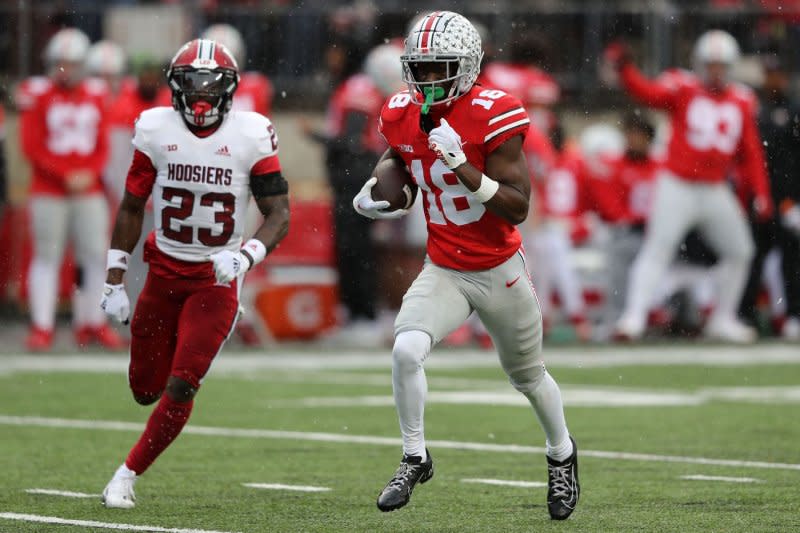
(561,481)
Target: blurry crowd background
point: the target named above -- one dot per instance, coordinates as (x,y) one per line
(320,71)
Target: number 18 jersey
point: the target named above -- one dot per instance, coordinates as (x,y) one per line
(462,233)
(200,185)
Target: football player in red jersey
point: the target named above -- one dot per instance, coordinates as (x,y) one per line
(620,192)
(463,145)
(63,135)
(713,126)
(523,78)
(560,211)
(201,162)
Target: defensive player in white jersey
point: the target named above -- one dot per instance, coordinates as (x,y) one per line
(463,144)
(201,162)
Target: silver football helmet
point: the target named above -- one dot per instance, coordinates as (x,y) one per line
(442,37)
(715,46)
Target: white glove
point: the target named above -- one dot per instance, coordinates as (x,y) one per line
(228,265)
(791,218)
(366,206)
(446,142)
(115,303)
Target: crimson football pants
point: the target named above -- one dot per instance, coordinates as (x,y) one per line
(178,327)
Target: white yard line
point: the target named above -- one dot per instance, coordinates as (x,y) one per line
(701,477)
(101,525)
(64,493)
(506,482)
(588,357)
(280,486)
(573,396)
(111,425)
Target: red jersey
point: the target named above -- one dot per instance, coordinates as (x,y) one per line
(711,131)
(561,193)
(625,193)
(357,94)
(462,233)
(254,93)
(535,88)
(539,154)
(129,104)
(532,86)
(62,130)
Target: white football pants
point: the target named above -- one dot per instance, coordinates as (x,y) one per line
(680,205)
(438,302)
(553,268)
(85,219)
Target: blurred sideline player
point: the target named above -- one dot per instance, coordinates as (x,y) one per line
(448,131)
(713,125)
(621,191)
(560,207)
(107,61)
(352,143)
(63,135)
(201,162)
(523,78)
(255,93)
(778,122)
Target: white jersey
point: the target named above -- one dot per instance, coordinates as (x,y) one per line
(202,184)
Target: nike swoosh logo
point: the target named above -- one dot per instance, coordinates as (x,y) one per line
(510,283)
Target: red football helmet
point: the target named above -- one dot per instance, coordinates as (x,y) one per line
(203,76)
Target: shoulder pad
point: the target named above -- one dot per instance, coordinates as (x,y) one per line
(251,124)
(396,107)
(96,86)
(497,103)
(744,92)
(153,119)
(29,90)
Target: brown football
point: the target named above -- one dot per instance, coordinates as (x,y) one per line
(395,185)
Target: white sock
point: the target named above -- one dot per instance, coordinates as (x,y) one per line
(546,401)
(124,471)
(411,388)
(561,451)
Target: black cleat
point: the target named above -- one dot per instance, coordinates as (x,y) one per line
(563,488)
(397,492)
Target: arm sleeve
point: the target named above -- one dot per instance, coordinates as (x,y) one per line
(646,91)
(272,184)
(141,175)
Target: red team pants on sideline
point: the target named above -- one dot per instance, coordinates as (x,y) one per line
(178,327)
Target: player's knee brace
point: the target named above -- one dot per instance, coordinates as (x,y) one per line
(146,398)
(526,379)
(411,348)
(179,390)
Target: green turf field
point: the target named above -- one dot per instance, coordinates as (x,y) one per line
(295,421)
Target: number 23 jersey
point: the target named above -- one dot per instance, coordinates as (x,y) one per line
(200,185)
(462,233)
